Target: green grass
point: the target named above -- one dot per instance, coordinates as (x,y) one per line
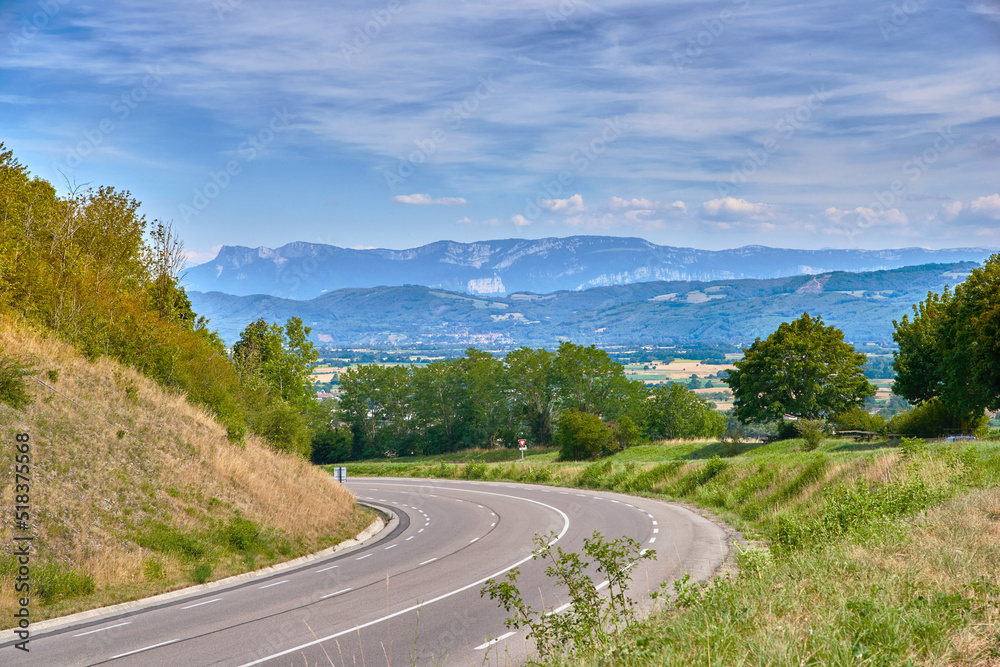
(868,553)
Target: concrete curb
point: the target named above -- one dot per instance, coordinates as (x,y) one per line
(376,527)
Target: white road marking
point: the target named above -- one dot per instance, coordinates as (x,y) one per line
(652,539)
(421,530)
(90,632)
(330,595)
(475,540)
(419,605)
(601,585)
(327,568)
(409,538)
(655,524)
(656,530)
(429,561)
(614,501)
(140,650)
(192,606)
(493,524)
(362,557)
(277,583)
(559,610)
(391,546)
(493,641)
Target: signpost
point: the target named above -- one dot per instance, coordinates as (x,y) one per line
(522,445)
(340,474)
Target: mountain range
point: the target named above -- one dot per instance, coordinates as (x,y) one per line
(542,266)
(734,311)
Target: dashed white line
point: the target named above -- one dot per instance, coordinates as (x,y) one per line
(655,524)
(652,539)
(277,583)
(327,568)
(391,546)
(475,540)
(330,595)
(493,641)
(192,606)
(421,530)
(362,557)
(409,538)
(429,561)
(656,530)
(140,650)
(90,632)
(602,585)
(493,524)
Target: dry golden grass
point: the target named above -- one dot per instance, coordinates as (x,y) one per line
(112,450)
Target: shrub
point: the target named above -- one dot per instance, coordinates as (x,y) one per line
(13,389)
(581,435)
(859,419)
(932,419)
(812,430)
(202,573)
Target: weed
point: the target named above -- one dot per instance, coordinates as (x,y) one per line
(52,582)
(202,572)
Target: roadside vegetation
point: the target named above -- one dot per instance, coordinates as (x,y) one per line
(865,553)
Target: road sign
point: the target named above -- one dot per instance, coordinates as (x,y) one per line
(523,444)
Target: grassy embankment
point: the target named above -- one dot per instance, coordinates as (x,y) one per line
(134,491)
(876,554)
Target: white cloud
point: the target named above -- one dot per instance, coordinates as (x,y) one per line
(427,200)
(950,210)
(520,221)
(565,206)
(731,209)
(196,257)
(987,207)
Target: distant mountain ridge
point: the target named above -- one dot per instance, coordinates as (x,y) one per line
(306,270)
(863,305)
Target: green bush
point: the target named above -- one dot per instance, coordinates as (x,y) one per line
(581,436)
(13,388)
(202,573)
(285,428)
(859,419)
(933,419)
(812,431)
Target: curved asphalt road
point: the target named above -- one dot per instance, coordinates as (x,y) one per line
(408,596)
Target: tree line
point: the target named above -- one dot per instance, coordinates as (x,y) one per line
(479,400)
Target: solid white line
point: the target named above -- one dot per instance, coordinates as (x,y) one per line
(565,529)
(493,641)
(277,583)
(90,632)
(140,650)
(391,546)
(428,561)
(192,606)
(327,568)
(362,557)
(330,595)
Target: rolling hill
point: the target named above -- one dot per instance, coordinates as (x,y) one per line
(729,311)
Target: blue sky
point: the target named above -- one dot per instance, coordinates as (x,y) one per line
(393,123)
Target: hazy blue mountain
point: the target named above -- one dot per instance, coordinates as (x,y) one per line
(307,270)
(729,311)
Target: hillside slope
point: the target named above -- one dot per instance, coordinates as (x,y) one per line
(134,491)
(863,305)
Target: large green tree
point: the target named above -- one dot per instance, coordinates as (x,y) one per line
(950,349)
(804,369)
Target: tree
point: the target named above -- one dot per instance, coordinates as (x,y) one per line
(533,390)
(677,412)
(582,435)
(804,369)
(375,401)
(281,358)
(950,347)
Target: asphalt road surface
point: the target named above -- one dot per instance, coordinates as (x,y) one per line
(410,595)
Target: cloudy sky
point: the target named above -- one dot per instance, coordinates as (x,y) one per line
(390,123)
